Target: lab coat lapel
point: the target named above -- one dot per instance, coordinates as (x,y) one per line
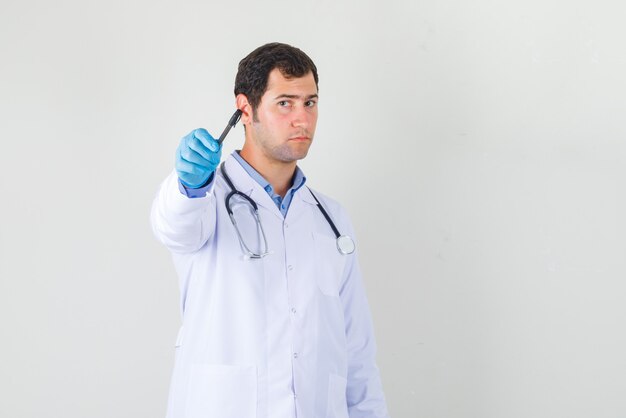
(302,201)
(246,184)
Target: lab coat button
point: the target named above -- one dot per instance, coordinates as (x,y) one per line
(295,355)
(289,267)
(286,225)
(293,310)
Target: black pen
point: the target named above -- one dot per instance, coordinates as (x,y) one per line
(231,124)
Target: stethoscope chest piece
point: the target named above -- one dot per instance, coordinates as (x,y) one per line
(345,245)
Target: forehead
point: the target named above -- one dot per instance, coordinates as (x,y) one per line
(277,84)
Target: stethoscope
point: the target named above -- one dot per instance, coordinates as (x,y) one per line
(345,244)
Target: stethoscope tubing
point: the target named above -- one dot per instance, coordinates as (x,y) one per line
(342,240)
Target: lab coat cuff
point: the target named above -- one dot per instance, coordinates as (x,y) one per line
(177,200)
(199,192)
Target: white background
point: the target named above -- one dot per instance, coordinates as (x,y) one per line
(478,145)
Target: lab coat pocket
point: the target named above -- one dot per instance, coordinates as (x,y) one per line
(337,406)
(222,391)
(330,264)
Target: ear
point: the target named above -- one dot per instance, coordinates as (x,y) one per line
(245,107)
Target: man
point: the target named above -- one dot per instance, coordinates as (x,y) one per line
(275,318)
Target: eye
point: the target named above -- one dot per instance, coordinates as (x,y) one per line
(283,103)
(310,103)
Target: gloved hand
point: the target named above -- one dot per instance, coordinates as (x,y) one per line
(197,157)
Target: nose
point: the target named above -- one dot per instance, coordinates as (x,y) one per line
(300,117)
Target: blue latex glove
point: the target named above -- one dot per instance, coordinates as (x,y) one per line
(197,157)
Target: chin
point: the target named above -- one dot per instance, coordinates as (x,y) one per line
(288,154)
(302,155)
(293,157)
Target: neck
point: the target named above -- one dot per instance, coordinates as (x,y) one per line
(278,173)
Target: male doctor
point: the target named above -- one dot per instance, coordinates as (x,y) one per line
(275,318)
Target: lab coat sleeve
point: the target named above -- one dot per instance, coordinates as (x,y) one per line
(183,224)
(364,392)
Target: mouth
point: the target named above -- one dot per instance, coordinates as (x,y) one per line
(300,138)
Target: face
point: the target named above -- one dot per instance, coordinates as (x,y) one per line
(283,125)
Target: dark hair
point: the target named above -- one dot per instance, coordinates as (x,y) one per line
(254,69)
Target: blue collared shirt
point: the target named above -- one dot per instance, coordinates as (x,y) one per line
(282,203)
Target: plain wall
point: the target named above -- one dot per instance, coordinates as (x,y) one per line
(478,145)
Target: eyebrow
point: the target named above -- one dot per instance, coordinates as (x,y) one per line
(295,96)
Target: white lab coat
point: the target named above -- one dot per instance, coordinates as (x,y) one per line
(286,336)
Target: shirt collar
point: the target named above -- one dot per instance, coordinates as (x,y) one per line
(298,179)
